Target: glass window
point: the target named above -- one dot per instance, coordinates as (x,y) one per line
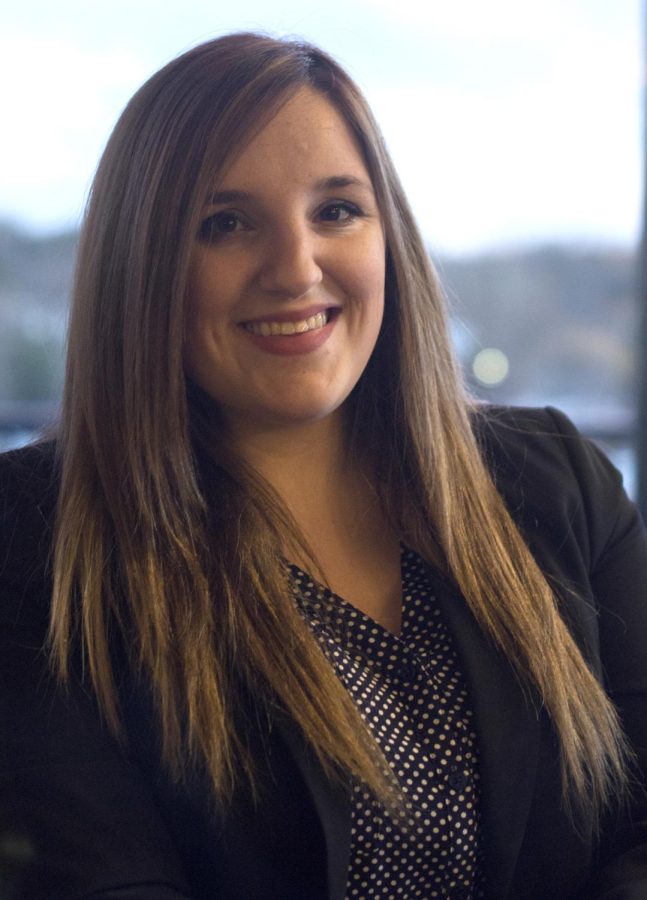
(516,129)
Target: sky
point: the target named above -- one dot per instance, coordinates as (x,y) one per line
(510,122)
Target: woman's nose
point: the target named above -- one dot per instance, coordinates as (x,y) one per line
(290,266)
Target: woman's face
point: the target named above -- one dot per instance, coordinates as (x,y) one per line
(287,276)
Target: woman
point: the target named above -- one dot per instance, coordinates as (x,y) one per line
(285,614)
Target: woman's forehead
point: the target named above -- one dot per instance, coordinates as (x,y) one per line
(307,138)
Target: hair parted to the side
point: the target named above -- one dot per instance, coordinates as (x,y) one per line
(169,548)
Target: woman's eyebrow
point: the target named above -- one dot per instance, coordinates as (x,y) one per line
(342,181)
(332,182)
(227,197)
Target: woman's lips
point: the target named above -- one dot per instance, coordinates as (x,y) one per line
(301,326)
(287,337)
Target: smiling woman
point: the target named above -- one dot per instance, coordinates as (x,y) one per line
(287,280)
(285,614)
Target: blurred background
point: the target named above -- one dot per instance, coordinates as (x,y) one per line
(516,127)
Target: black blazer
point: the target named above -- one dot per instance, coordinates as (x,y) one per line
(87,818)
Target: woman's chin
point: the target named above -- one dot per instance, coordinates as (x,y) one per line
(285,416)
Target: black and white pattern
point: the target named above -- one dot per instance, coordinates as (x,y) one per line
(410,691)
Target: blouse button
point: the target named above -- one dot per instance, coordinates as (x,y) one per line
(457,780)
(407,671)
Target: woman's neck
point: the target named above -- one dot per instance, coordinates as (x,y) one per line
(333,500)
(302,462)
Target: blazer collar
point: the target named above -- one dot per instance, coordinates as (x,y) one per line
(507,728)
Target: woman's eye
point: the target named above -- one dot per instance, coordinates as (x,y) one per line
(339,212)
(219,225)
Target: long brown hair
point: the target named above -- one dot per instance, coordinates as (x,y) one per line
(168,548)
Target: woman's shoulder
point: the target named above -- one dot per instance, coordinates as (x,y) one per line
(31,463)
(542,442)
(28,491)
(557,483)
(28,484)
(523,421)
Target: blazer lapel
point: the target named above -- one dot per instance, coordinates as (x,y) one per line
(507,729)
(333,804)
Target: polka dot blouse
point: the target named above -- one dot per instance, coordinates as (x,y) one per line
(410,691)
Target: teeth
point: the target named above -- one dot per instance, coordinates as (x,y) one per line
(283,328)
